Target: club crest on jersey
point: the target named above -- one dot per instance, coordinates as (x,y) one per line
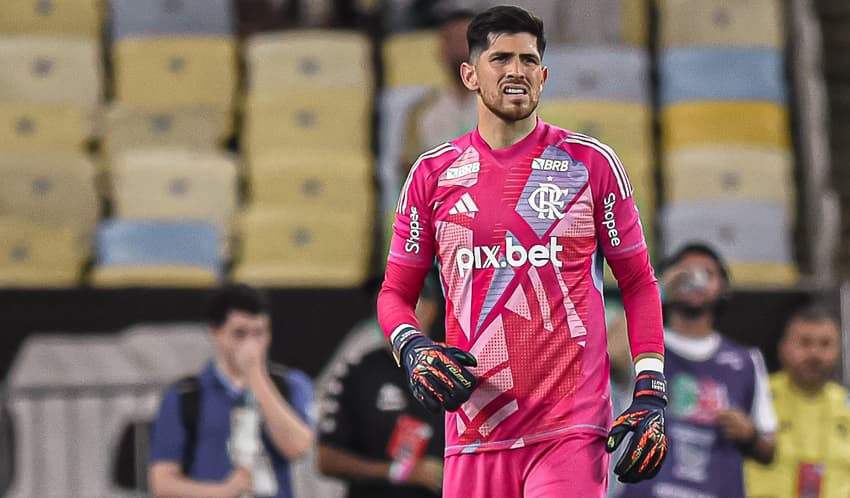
(547,200)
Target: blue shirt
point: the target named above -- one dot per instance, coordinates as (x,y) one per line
(217,398)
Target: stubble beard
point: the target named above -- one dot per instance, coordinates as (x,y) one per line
(513,114)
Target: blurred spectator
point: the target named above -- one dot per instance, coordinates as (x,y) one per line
(234,428)
(720,410)
(257,16)
(446,112)
(813,442)
(371,428)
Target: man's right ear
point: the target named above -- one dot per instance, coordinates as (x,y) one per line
(469,77)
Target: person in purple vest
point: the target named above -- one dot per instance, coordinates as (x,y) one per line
(719,411)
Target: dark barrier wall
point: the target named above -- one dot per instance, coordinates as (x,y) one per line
(308,324)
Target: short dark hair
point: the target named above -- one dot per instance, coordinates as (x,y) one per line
(235,297)
(811,312)
(702,249)
(503,19)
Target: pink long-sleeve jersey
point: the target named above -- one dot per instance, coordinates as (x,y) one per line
(519,235)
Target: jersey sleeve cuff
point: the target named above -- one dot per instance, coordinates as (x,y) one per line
(651,364)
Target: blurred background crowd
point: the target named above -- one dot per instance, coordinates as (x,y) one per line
(151,150)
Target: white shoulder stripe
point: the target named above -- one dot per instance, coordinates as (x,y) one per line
(437,151)
(616,166)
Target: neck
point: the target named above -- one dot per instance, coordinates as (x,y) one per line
(807,389)
(702,326)
(500,134)
(233,375)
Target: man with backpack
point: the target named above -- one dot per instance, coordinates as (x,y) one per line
(232,430)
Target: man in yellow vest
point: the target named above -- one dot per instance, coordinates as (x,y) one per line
(813,441)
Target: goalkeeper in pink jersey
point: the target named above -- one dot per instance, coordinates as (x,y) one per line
(520,215)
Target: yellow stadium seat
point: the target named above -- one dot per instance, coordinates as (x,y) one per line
(304,248)
(66,17)
(749,23)
(313,59)
(42,128)
(197,127)
(763,275)
(634,17)
(313,181)
(176,71)
(174,184)
(413,59)
(152,276)
(333,120)
(729,172)
(50,69)
(36,255)
(713,123)
(51,189)
(627,128)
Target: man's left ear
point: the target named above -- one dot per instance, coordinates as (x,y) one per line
(545,77)
(469,77)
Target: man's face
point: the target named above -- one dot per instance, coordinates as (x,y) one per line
(240,327)
(809,352)
(508,76)
(697,280)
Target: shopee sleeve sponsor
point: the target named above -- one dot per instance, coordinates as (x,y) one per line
(616,216)
(413,234)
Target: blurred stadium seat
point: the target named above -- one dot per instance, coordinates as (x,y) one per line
(597,73)
(141,18)
(156,254)
(42,128)
(174,184)
(711,123)
(51,69)
(622,22)
(710,73)
(413,59)
(308,120)
(627,128)
(304,248)
(277,63)
(746,232)
(319,182)
(176,71)
(729,173)
(749,23)
(196,127)
(53,189)
(35,255)
(67,17)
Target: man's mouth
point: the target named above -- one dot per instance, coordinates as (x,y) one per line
(514,90)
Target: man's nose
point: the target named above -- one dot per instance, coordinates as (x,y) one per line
(514,66)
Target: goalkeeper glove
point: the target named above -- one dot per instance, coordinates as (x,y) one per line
(436,372)
(647,447)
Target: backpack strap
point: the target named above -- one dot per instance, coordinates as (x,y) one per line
(189,390)
(279,375)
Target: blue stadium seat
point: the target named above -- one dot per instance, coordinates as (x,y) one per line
(597,73)
(171,17)
(744,231)
(149,243)
(710,73)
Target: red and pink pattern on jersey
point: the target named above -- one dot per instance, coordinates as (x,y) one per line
(518,233)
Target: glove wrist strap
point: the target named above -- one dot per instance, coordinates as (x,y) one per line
(653,384)
(400,338)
